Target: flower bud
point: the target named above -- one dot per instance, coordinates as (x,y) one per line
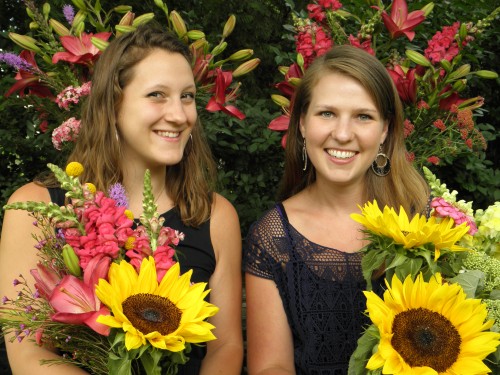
(58,27)
(195,34)
(91,187)
(79,18)
(30,13)
(46,10)
(229,26)
(178,24)
(219,48)
(294,81)
(417,58)
(80,4)
(246,67)
(160,4)
(71,260)
(460,72)
(281,100)
(199,44)
(462,32)
(34,25)
(283,69)
(242,54)
(428,9)
(486,74)
(142,19)
(124,29)
(74,169)
(300,61)
(127,19)
(78,30)
(101,44)
(446,65)
(122,8)
(459,85)
(25,42)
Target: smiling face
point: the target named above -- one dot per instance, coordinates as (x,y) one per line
(343,130)
(158,111)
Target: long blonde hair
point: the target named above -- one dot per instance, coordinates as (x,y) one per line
(192,181)
(403,186)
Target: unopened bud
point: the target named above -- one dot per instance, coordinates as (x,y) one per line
(486,74)
(80,4)
(195,34)
(280,100)
(30,13)
(246,67)
(459,85)
(427,9)
(446,65)
(242,54)
(199,45)
(300,61)
(34,25)
(219,48)
(127,19)
(79,18)
(46,10)
(142,19)
(294,81)
(460,72)
(417,58)
(178,24)
(99,43)
(283,69)
(462,32)
(25,42)
(58,27)
(124,29)
(160,4)
(79,29)
(122,8)
(229,26)
(71,260)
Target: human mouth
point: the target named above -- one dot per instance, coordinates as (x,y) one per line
(338,154)
(167,134)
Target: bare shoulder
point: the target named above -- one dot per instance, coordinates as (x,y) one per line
(223,211)
(30,192)
(225,230)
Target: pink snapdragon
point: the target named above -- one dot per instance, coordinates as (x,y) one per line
(312,41)
(443,45)
(443,209)
(66,132)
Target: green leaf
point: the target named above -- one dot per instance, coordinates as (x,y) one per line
(470,281)
(366,345)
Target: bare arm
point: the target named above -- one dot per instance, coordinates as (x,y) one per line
(18,256)
(225,354)
(270,344)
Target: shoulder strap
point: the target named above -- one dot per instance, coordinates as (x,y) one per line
(284,221)
(57,195)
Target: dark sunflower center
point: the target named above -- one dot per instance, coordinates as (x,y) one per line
(426,338)
(150,312)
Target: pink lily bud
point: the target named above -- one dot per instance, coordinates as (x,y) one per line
(142,19)
(127,19)
(246,67)
(229,26)
(58,27)
(25,42)
(178,24)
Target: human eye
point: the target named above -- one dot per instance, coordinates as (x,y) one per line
(326,114)
(188,96)
(155,94)
(365,117)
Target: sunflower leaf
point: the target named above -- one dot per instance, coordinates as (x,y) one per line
(470,281)
(366,344)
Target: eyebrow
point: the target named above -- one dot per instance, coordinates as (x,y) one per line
(331,108)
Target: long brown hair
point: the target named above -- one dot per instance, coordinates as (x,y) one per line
(192,181)
(403,186)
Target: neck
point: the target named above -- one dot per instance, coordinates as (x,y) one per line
(134,185)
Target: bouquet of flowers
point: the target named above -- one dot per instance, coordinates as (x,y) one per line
(109,296)
(54,69)
(430,75)
(440,313)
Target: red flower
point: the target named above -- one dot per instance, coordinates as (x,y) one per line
(443,45)
(405,82)
(80,50)
(433,159)
(400,22)
(28,83)
(316,12)
(312,41)
(223,94)
(366,45)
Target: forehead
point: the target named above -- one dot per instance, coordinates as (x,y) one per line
(339,87)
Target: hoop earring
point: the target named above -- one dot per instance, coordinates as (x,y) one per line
(381,166)
(304,155)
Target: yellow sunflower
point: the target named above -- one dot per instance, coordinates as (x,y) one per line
(167,315)
(411,233)
(430,328)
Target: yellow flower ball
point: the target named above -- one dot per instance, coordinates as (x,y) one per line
(129,214)
(129,244)
(74,169)
(91,187)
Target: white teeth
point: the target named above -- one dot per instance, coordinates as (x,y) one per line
(167,134)
(341,154)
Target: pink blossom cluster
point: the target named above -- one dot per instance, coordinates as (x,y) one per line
(66,132)
(163,254)
(107,229)
(443,208)
(312,41)
(72,95)
(443,45)
(317,11)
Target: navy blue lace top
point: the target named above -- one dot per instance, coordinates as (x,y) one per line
(195,252)
(321,290)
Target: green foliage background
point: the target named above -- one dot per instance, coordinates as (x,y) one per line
(249,155)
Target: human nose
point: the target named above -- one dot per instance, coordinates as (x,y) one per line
(342,130)
(175,111)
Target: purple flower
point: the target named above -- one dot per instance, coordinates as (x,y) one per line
(15,61)
(69,13)
(117,192)
(5,299)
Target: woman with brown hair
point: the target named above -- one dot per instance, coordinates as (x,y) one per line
(304,284)
(141,114)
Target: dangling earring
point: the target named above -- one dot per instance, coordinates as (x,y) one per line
(304,155)
(381,166)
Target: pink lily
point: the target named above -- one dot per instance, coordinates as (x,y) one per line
(80,50)
(405,82)
(75,301)
(400,22)
(217,102)
(46,279)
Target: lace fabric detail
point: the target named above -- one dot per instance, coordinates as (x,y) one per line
(321,289)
